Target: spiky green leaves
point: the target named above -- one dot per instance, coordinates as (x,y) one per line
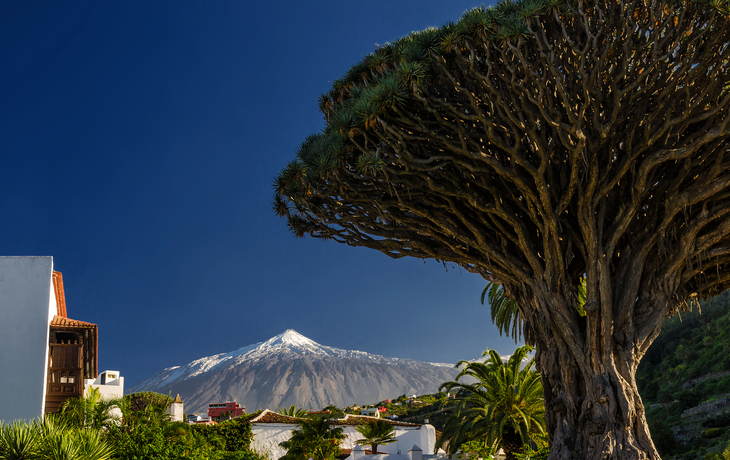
(506,399)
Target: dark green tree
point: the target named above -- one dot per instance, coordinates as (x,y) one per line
(535,143)
(504,407)
(376,433)
(315,439)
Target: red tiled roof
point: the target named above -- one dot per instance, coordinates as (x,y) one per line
(61,321)
(268,416)
(346,453)
(354,420)
(60,295)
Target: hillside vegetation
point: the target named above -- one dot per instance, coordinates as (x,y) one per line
(684,382)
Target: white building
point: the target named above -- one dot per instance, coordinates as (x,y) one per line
(109,383)
(46,356)
(370,412)
(270,429)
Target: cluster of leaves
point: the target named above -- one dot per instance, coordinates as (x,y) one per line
(384,80)
(51,439)
(315,439)
(376,433)
(504,407)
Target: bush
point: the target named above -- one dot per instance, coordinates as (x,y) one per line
(713,433)
(717,421)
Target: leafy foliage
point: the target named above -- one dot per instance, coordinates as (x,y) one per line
(91,411)
(376,433)
(293,411)
(684,368)
(504,408)
(314,439)
(52,439)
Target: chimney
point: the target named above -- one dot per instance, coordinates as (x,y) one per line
(415,453)
(358,453)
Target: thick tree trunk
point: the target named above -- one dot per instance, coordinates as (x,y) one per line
(593,412)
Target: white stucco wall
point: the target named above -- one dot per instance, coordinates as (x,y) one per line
(27,305)
(267,437)
(405,436)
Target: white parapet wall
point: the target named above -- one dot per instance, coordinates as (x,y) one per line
(27,306)
(109,383)
(267,437)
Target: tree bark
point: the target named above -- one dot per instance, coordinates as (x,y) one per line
(593,409)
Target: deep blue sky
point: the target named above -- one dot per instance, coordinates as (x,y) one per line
(138,144)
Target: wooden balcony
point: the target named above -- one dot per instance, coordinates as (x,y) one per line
(65,375)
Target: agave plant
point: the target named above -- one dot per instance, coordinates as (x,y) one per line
(18,440)
(51,439)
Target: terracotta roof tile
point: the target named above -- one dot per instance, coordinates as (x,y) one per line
(60,321)
(355,420)
(268,416)
(60,295)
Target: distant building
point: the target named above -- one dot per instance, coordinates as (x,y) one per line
(231,409)
(47,357)
(371,412)
(177,410)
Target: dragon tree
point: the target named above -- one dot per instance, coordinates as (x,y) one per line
(536,143)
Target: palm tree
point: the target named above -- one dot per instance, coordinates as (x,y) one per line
(375,433)
(504,408)
(506,314)
(293,411)
(91,411)
(315,439)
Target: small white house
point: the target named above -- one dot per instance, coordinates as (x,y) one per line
(370,412)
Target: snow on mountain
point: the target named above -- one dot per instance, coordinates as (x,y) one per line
(291,367)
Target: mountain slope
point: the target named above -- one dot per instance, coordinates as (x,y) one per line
(292,369)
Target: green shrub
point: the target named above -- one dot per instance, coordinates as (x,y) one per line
(713,433)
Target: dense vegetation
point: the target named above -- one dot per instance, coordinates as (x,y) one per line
(91,428)
(685,368)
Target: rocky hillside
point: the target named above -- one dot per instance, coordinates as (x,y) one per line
(292,369)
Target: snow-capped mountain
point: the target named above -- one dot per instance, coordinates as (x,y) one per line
(292,369)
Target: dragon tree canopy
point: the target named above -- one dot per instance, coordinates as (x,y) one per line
(536,143)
